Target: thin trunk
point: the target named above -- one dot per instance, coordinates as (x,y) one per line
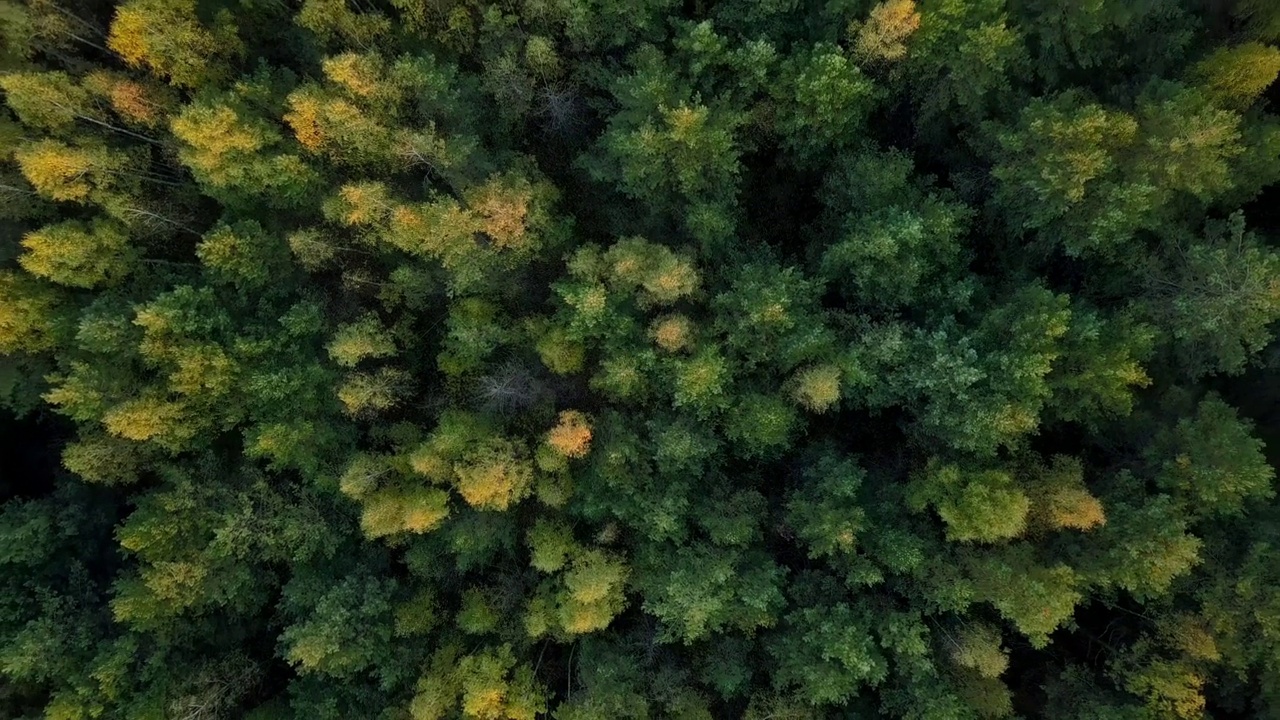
(83,23)
(161,218)
(90,43)
(148,177)
(170,263)
(19,190)
(130,133)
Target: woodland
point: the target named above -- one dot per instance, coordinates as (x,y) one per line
(629,360)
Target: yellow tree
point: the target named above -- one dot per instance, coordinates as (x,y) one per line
(882,38)
(228,148)
(28,311)
(54,101)
(81,173)
(1235,77)
(77,254)
(167,38)
(140,102)
(45,100)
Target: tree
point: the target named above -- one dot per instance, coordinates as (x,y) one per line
(338,128)
(699,383)
(672,333)
(228,149)
(391,511)
(1090,35)
(337,630)
(978,648)
(982,506)
(672,150)
(1217,297)
(366,338)
(166,37)
(1238,610)
(1212,462)
(828,653)
(136,101)
(883,37)
(243,253)
(1234,77)
(79,255)
(1060,499)
(985,387)
(368,393)
(760,425)
(685,149)
(495,475)
(102,458)
(28,315)
(372,113)
(54,101)
(825,512)
(823,101)
(1043,597)
(332,20)
(83,173)
(894,242)
(817,388)
(485,685)
(1261,19)
(571,437)
(49,101)
(697,590)
(1141,549)
(771,316)
(1190,143)
(1101,366)
(152,418)
(1058,172)
(964,65)
(585,598)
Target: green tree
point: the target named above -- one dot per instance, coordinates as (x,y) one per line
(244,253)
(48,101)
(981,506)
(1059,173)
(360,340)
(698,590)
(986,387)
(964,63)
(1217,297)
(1212,462)
(828,653)
(823,101)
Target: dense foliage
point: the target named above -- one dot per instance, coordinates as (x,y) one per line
(603,360)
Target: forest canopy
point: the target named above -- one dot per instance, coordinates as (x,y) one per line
(604,360)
